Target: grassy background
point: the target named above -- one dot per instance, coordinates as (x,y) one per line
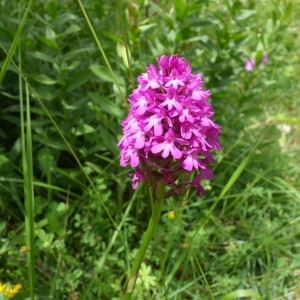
(63,196)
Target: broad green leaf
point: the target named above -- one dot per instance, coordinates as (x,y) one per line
(82,129)
(47,93)
(180,9)
(48,42)
(74,53)
(74,64)
(260,47)
(76,274)
(51,8)
(79,79)
(253,111)
(269,26)
(202,23)
(3,160)
(112,36)
(50,34)
(146,27)
(242,294)
(43,56)
(71,29)
(61,207)
(245,13)
(42,78)
(102,73)
(121,50)
(107,105)
(41,234)
(66,17)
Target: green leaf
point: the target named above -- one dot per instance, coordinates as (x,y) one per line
(79,79)
(146,27)
(71,29)
(82,129)
(107,105)
(44,79)
(121,50)
(42,56)
(269,26)
(101,72)
(61,207)
(253,111)
(50,34)
(48,42)
(66,17)
(76,274)
(3,161)
(72,66)
(245,14)
(241,294)
(41,234)
(202,23)
(75,53)
(112,37)
(51,8)
(180,9)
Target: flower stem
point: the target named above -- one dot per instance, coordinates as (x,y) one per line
(156,212)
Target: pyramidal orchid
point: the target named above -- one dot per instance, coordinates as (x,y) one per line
(168,134)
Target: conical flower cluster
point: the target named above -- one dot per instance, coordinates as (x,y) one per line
(168,132)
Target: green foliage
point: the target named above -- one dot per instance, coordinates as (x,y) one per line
(241,240)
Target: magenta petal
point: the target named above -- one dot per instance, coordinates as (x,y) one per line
(158,129)
(250,64)
(163,61)
(139,142)
(134,160)
(188,163)
(176,152)
(157,148)
(166,151)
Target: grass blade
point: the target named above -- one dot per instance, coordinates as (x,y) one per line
(101,50)
(27,161)
(14,44)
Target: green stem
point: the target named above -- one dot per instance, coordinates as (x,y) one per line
(29,202)
(27,162)
(156,212)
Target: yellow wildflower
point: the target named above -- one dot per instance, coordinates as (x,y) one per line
(171,214)
(2,287)
(10,290)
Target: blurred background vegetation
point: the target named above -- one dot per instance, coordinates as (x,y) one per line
(87,220)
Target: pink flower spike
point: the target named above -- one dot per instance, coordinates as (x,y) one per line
(168,133)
